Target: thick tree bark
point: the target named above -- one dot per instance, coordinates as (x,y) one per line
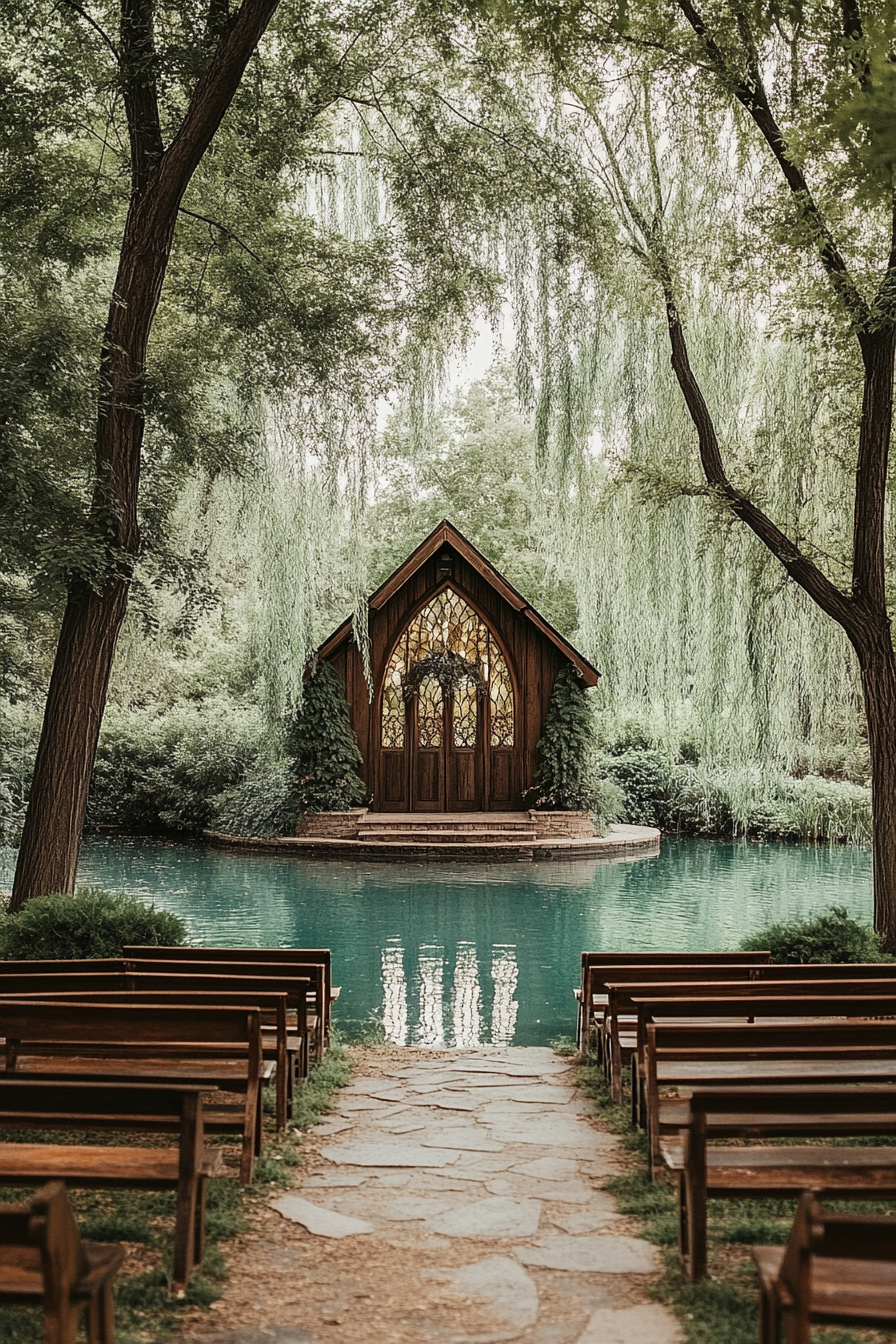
(48,854)
(879,685)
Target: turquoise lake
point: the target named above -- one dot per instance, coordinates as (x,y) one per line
(467,954)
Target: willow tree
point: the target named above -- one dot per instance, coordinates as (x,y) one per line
(786,111)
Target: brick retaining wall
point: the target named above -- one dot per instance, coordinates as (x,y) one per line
(332,825)
(561,825)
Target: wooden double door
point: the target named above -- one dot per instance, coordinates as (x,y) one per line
(447,767)
(447,762)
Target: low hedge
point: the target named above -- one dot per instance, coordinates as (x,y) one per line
(833,936)
(92,923)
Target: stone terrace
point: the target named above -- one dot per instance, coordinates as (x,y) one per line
(455,1198)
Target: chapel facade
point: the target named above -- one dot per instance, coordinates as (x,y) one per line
(462,669)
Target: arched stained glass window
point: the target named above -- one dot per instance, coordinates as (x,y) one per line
(448,624)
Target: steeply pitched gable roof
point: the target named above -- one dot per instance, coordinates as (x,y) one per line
(447,533)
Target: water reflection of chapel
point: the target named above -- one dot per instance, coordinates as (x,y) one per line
(462,671)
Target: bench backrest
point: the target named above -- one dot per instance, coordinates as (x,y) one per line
(849,1236)
(604,976)
(299,957)
(282,956)
(810,1003)
(273,974)
(624,997)
(61,1103)
(272,1007)
(217,987)
(829,970)
(84,965)
(47,1235)
(825,1099)
(844,1236)
(675,958)
(767,1039)
(138,1027)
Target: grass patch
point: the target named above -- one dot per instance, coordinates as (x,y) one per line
(145,1310)
(313,1097)
(724,1309)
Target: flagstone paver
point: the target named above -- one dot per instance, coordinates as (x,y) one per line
(454,1198)
(322,1222)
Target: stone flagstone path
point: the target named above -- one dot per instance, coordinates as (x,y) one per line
(455,1197)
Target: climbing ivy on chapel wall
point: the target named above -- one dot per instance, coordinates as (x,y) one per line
(322,747)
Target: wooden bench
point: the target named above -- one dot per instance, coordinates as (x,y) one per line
(592,961)
(722,1000)
(212,1047)
(286,1050)
(720,1055)
(291,963)
(605,977)
(51,1104)
(274,975)
(760,1172)
(836,1269)
(316,961)
(283,1042)
(43,1259)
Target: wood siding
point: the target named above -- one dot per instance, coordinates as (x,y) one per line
(533,659)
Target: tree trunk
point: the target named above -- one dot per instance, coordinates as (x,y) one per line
(878,668)
(51,839)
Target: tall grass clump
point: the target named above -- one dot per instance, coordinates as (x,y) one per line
(833,936)
(92,924)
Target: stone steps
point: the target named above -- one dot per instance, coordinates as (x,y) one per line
(425,835)
(383,848)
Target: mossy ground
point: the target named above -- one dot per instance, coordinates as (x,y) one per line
(146,1311)
(724,1309)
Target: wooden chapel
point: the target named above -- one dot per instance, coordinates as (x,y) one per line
(462,670)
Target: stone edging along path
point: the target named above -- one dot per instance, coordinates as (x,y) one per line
(455,1197)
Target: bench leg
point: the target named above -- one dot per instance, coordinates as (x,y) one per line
(282,1083)
(199,1223)
(654,1152)
(184,1225)
(692,1199)
(251,1138)
(616,1066)
(60,1322)
(769,1321)
(683,1238)
(101,1316)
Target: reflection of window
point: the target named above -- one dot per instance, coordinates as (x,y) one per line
(448,624)
(466,708)
(429,713)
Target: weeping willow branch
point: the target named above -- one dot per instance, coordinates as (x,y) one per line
(798,566)
(751,94)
